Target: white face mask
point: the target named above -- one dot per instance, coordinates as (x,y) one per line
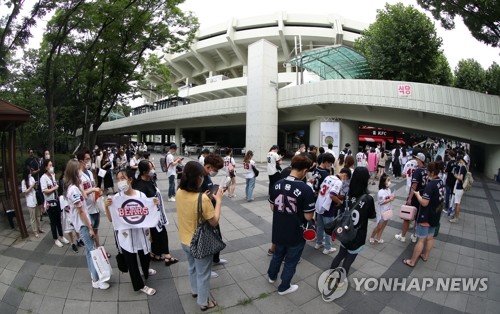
(47,156)
(123,186)
(87,166)
(51,170)
(151,173)
(213,173)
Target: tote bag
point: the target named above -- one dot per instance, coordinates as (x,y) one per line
(101,263)
(206,240)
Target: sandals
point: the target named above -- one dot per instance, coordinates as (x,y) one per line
(405,261)
(156,258)
(149,291)
(170,260)
(151,272)
(422,258)
(210,305)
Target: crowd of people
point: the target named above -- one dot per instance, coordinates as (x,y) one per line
(312,192)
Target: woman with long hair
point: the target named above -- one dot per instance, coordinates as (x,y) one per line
(133,243)
(28,187)
(381,164)
(199,270)
(108,178)
(363,208)
(229,166)
(159,236)
(339,163)
(248,165)
(80,217)
(431,206)
(49,188)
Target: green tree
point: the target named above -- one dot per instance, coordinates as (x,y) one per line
(401,44)
(15,28)
(481,17)
(92,52)
(469,74)
(442,73)
(493,79)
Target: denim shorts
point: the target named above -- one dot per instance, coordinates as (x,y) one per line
(424,232)
(95,219)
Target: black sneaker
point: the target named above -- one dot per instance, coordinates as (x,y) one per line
(74,248)
(80,243)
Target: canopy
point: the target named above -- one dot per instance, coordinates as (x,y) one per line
(333,62)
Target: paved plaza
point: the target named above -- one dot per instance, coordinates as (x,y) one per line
(38,277)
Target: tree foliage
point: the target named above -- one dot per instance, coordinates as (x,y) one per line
(493,79)
(15,28)
(92,51)
(469,74)
(402,44)
(481,17)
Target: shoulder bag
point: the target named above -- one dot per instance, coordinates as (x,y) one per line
(255,171)
(206,240)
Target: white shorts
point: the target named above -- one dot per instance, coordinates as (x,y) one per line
(458,196)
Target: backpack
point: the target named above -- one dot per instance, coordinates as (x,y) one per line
(342,227)
(163,164)
(468,180)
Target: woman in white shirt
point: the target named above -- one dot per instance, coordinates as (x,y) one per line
(49,188)
(248,165)
(80,217)
(28,187)
(229,166)
(384,199)
(133,242)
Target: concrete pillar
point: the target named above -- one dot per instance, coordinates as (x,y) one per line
(139,137)
(492,160)
(314,132)
(245,71)
(262,98)
(203,136)
(349,134)
(178,139)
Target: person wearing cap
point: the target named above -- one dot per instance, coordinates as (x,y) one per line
(273,159)
(347,150)
(418,183)
(171,171)
(459,173)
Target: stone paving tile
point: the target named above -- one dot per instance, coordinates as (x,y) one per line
(257,287)
(276,304)
(58,289)
(126,293)
(104,307)
(51,305)
(3,289)
(80,291)
(136,307)
(7,276)
(31,302)
(39,285)
(76,307)
(110,294)
(317,305)
(64,273)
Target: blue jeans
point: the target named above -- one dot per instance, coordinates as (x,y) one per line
(291,255)
(249,188)
(447,197)
(89,246)
(171,186)
(199,275)
(320,231)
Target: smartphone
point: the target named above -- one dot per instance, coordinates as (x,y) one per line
(214,190)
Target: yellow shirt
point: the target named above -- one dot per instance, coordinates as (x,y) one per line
(187,213)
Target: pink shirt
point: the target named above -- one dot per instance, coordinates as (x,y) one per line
(372,162)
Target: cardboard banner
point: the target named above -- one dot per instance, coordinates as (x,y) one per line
(133,212)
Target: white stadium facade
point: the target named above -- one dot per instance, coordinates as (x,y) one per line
(259,81)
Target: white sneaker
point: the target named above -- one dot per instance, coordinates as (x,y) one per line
(318,246)
(400,237)
(331,250)
(58,243)
(270,280)
(214,274)
(454,220)
(292,288)
(221,262)
(100,285)
(64,240)
(413,238)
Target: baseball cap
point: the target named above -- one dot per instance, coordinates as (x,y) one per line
(173,146)
(421,157)
(311,147)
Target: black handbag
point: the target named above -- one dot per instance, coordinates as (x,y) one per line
(206,240)
(120,258)
(255,171)
(342,227)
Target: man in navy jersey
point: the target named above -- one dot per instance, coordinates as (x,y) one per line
(322,171)
(418,182)
(292,203)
